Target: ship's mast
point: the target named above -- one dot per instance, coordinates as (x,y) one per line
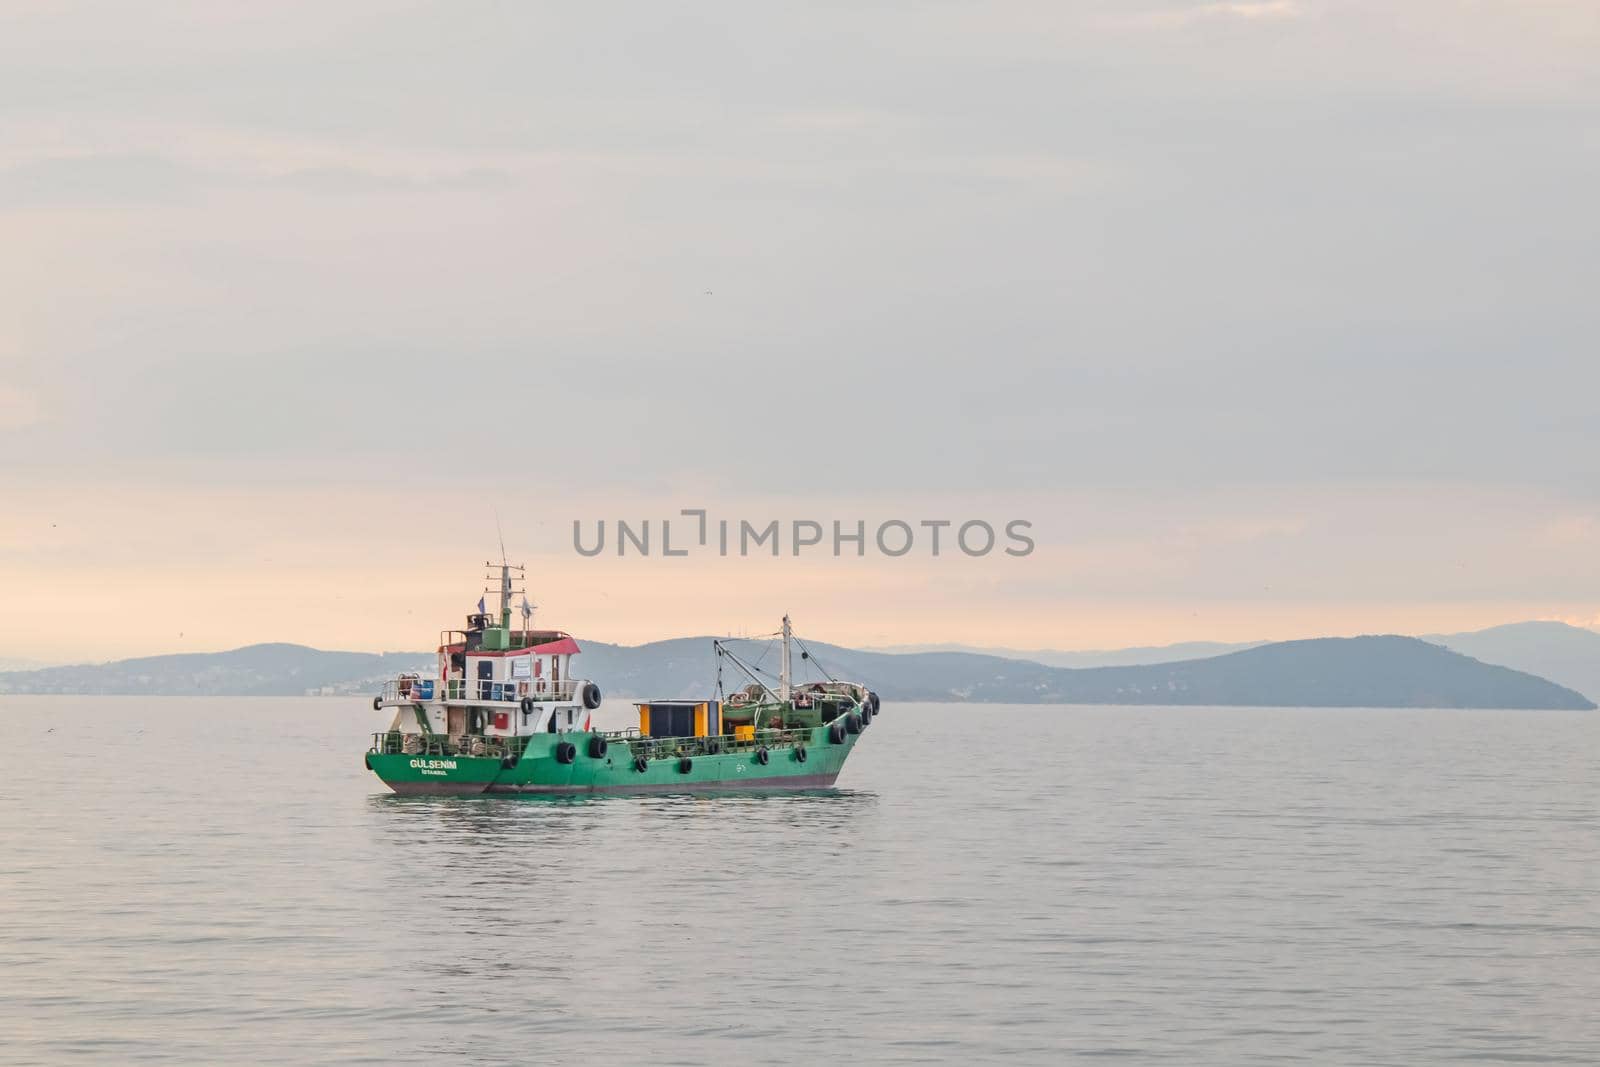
(507,586)
(783,670)
(505,577)
(505,595)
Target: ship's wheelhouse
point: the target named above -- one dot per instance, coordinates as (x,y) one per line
(494,681)
(507,664)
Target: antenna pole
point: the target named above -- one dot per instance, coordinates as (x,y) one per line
(505,576)
(783,671)
(505,596)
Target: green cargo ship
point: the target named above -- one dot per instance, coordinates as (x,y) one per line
(503,714)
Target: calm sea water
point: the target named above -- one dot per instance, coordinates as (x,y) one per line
(204,881)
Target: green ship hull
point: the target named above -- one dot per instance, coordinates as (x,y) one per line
(806,758)
(506,715)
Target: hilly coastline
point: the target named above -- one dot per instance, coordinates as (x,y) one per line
(276,669)
(1560,652)
(1384,671)
(1380,671)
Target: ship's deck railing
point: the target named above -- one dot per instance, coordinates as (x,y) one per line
(478,690)
(394,743)
(540,689)
(666,747)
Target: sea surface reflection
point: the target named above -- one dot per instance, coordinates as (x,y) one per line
(224,882)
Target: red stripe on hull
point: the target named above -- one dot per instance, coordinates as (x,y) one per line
(438,789)
(743,785)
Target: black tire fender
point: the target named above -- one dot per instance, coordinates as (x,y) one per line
(377,703)
(763,757)
(527,705)
(872,698)
(591,695)
(597,747)
(836,732)
(641,764)
(566,752)
(852,723)
(800,754)
(685,765)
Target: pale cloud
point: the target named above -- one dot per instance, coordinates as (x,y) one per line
(1263,9)
(1165,287)
(1245,529)
(1233,10)
(1574,529)
(838,119)
(132,155)
(89,180)
(139,157)
(1110,568)
(19,408)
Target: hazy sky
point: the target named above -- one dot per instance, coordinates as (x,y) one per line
(1276,317)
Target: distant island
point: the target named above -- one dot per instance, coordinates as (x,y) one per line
(1565,654)
(1379,671)
(256,670)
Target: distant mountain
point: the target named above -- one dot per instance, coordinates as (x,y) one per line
(1115,657)
(1567,655)
(1325,672)
(1383,671)
(255,670)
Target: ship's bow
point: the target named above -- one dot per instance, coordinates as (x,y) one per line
(434,775)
